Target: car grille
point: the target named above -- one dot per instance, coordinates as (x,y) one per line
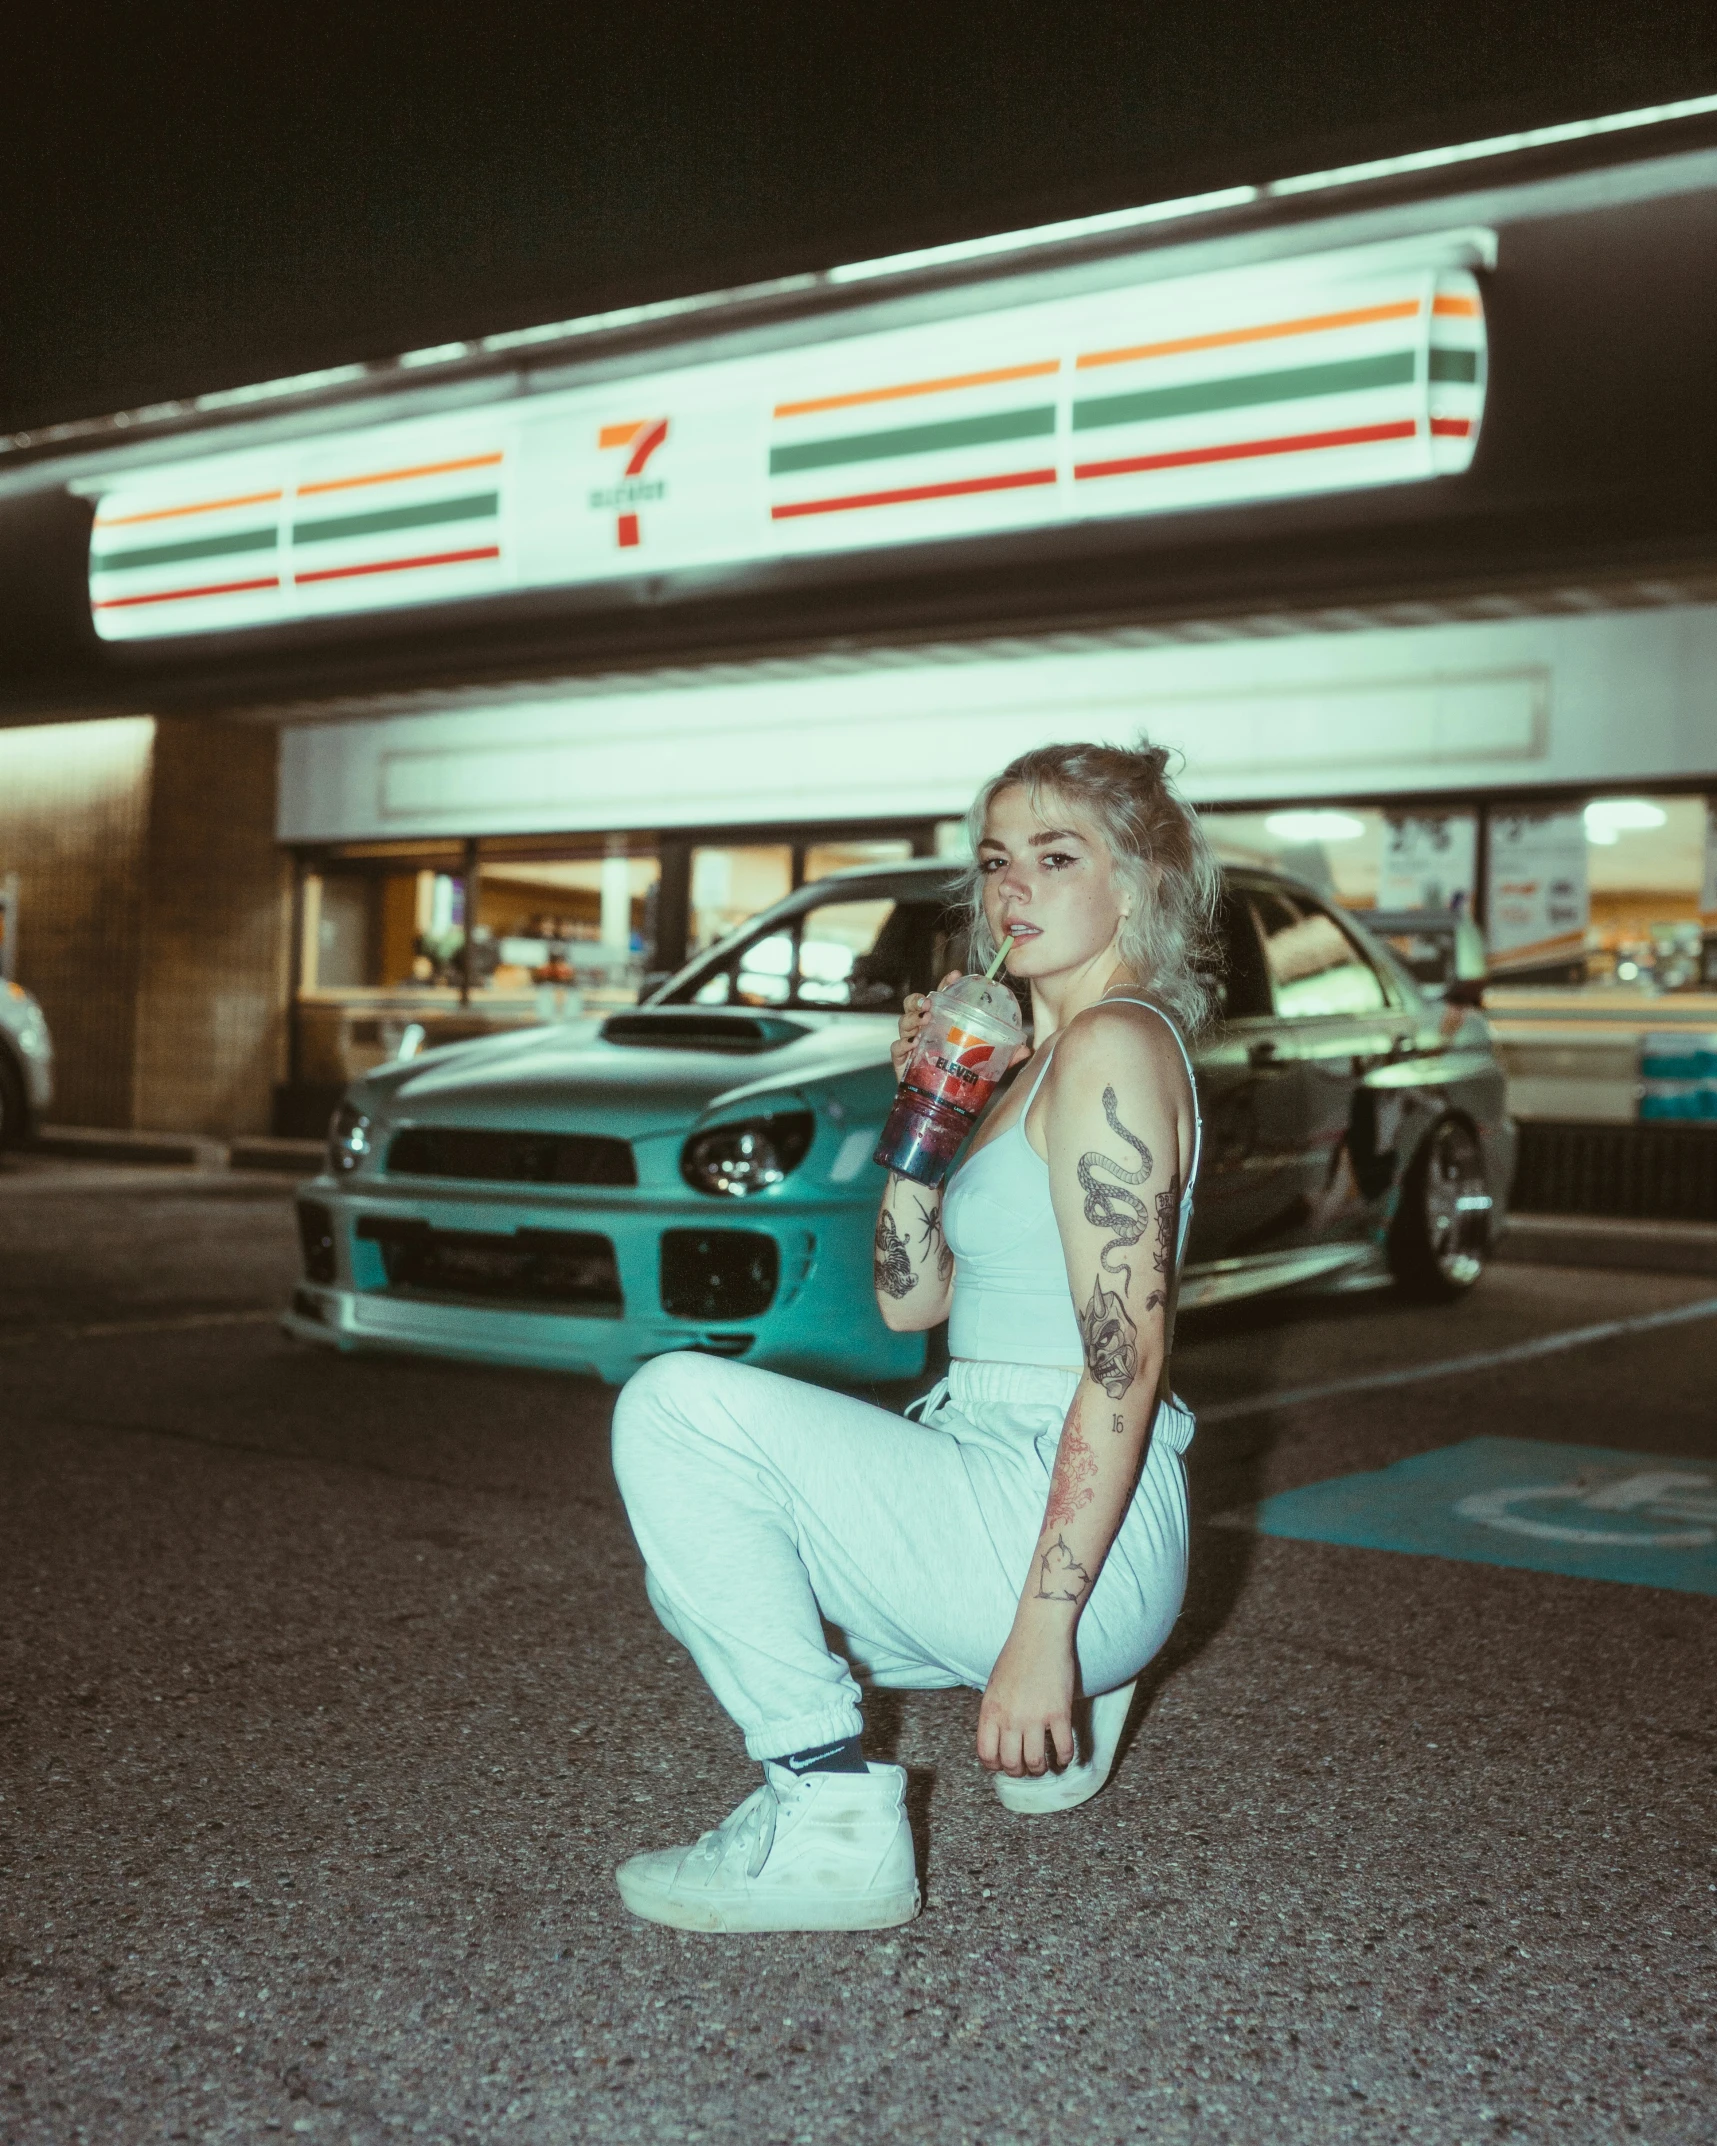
(1659,1172)
(573,1269)
(511,1158)
(316,1238)
(718,1273)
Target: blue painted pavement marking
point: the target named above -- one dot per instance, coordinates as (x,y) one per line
(1585,1511)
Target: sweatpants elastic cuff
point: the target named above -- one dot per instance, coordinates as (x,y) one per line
(776,1739)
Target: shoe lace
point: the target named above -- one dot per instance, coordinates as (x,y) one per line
(747,1832)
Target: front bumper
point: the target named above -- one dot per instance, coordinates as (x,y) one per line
(821,1319)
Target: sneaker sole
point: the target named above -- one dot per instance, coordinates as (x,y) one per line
(787,1911)
(1033,1797)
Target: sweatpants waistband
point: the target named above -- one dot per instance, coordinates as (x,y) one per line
(973,1384)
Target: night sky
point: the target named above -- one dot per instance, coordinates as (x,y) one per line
(202,196)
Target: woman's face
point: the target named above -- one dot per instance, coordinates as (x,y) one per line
(1050,884)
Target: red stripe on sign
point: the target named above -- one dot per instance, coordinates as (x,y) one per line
(174,596)
(905,494)
(400,566)
(1451,428)
(1243,450)
(627,533)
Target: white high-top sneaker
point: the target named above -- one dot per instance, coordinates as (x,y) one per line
(1078,1783)
(811,1851)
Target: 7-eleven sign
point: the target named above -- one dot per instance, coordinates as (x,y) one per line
(639,439)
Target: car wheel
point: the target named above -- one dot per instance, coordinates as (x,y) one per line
(12,1115)
(1440,1238)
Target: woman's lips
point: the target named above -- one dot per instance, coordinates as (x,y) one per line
(1024,931)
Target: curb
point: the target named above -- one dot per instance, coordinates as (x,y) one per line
(180,1151)
(1599,1241)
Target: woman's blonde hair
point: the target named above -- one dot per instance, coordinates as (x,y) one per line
(1160,853)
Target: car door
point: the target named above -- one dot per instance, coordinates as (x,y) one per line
(1249,1198)
(1336,1021)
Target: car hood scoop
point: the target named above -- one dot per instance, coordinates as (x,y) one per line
(693,1028)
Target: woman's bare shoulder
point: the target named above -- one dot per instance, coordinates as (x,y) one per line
(1121,1034)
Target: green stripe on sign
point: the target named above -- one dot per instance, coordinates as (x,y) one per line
(214,547)
(1454,364)
(1395,368)
(476,506)
(1034,424)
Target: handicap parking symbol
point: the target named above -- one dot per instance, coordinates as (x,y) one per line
(1588,1511)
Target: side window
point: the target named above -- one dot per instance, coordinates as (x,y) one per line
(1315,968)
(1244,985)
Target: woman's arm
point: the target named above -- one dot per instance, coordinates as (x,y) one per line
(913,1265)
(1113,1117)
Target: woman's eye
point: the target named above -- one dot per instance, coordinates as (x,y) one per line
(1057,860)
(990,867)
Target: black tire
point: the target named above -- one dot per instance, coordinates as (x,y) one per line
(1439,1240)
(14,1114)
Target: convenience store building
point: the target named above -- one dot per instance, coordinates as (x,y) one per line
(1388,497)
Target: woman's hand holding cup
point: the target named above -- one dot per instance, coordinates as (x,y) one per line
(913,1011)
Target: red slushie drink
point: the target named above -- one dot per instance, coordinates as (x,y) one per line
(971,1031)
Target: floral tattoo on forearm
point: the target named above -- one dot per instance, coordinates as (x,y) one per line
(895,1274)
(1075,1464)
(1106,1327)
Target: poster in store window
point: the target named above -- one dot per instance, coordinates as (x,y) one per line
(1708,887)
(1539,904)
(1429,861)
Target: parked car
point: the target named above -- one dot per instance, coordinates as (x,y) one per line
(26,1065)
(696,1173)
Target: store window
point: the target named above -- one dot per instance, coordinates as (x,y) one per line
(579,922)
(733,882)
(1651,875)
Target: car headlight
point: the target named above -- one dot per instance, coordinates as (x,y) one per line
(734,1161)
(349,1141)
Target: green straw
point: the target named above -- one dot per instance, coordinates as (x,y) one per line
(1001,956)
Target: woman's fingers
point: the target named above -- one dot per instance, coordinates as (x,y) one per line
(989,1731)
(1061,1737)
(1031,1748)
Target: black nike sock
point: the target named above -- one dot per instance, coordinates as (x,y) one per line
(845,1757)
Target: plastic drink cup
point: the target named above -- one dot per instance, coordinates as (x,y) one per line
(971,1031)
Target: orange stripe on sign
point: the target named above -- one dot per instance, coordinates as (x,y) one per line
(398,476)
(1455,308)
(620,435)
(1228,338)
(168,514)
(1035,371)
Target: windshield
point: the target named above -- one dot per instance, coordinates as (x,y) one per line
(859,951)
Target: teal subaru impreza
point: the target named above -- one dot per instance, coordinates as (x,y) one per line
(696,1173)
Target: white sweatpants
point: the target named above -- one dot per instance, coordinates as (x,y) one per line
(764,1507)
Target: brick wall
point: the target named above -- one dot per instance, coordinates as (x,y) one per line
(74,801)
(153,916)
(211,1018)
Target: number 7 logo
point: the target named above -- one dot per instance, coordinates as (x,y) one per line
(643,438)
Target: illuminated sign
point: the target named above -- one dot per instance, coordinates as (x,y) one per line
(1325,374)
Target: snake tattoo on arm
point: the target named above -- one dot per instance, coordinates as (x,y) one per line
(1106,1327)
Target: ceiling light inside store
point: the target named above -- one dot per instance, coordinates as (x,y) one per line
(1609,817)
(1314,826)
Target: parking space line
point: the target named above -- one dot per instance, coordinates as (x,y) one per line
(1576,1337)
(178,1323)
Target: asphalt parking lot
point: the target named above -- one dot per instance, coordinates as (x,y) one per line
(331,1697)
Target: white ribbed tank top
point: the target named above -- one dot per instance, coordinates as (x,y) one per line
(1012,1303)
